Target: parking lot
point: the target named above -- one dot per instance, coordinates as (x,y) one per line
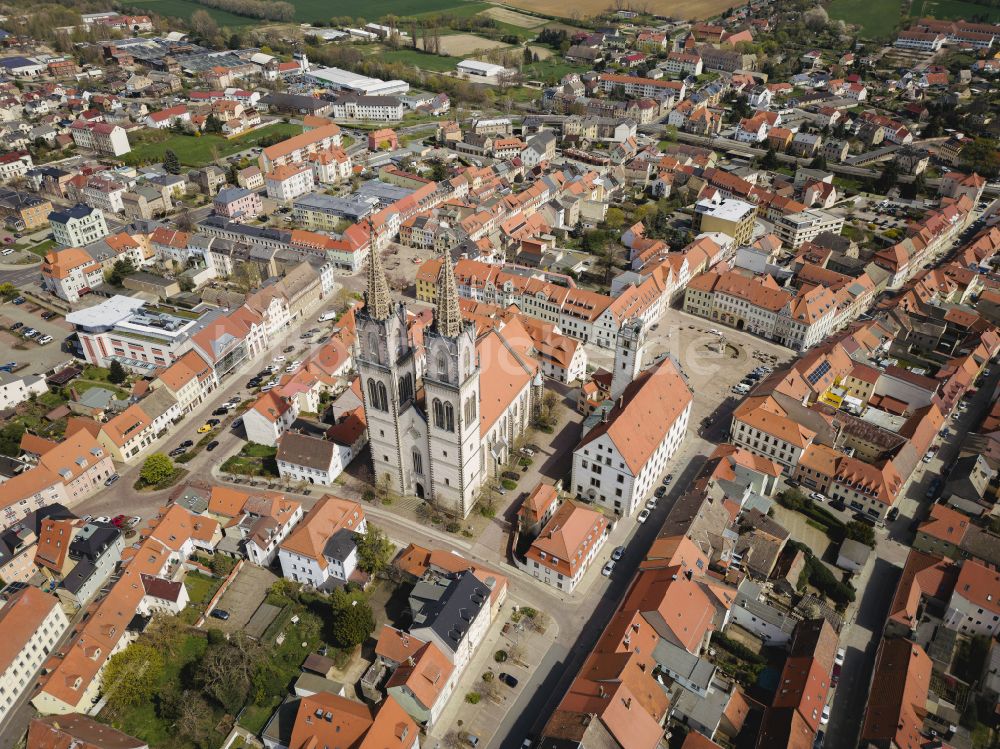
(40,358)
(243,597)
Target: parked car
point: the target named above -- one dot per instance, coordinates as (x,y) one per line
(660,491)
(48,314)
(651,503)
(186,444)
(618,553)
(119,520)
(527,452)
(45,340)
(177,451)
(220,614)
(220,411)
(608,568)
(825,717)
(17,326)
(204,428)
(212,445)
(667,479)
(643,516)
(111,479)
(19,300)
(507,679)
(817,497)
(238,422)
(213,422)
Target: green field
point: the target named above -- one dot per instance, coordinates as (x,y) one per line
(434,63)
(877,18)
(954,9)
(196,151)
(185,8)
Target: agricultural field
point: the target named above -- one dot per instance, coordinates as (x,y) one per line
(954,9)
(877,18)
(463,45)
(313,10)
(690,9)
(197,151)
(512,18)
(184,9)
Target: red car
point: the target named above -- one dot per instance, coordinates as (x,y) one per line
(119,520)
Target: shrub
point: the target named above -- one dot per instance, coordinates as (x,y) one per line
(453,526)
(472,698)
(500,656)
(489,676)
(509,484)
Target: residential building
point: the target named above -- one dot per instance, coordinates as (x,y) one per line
(285,183)
(322,550)
(732,217)
(295,149)
(269,418)
(17,388)
(974,606)
(237,204)
(78,226)
(797,228)
(70,273)
(563,551)
(31,626)
(103,137)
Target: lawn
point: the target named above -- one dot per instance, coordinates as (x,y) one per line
(418,59)
(185,8)
(196,151)
(954,9)
(42,248)
(201,587)
(877,18)
(253,460)
(551,70)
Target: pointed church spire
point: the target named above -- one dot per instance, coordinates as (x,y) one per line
(447,315)
(377,299)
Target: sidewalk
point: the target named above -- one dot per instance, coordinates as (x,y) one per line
(485,718)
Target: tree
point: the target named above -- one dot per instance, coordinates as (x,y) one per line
(203,25)
(888,178)
(770,159)
(982,156)
(614,219)
(184,222)
(170,161)
(164,634)
(818,162)
(157,468)
(226,671)
(119,271)
(213,124)
(8,290)
(194,717)
(116,373)
(10,438)
(131,676)
(858,531)
(233,174)
(353,620)
(374,550)
(246,276)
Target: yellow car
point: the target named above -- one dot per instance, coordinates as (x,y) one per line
(204,428)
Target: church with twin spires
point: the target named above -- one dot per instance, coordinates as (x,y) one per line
(443,414)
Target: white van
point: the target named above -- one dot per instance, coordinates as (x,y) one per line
(328,315)
(741,388)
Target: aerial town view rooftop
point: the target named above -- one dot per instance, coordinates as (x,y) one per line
(464,375)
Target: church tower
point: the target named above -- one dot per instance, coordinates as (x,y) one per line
(385,360)
(628,355)
(451,385)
